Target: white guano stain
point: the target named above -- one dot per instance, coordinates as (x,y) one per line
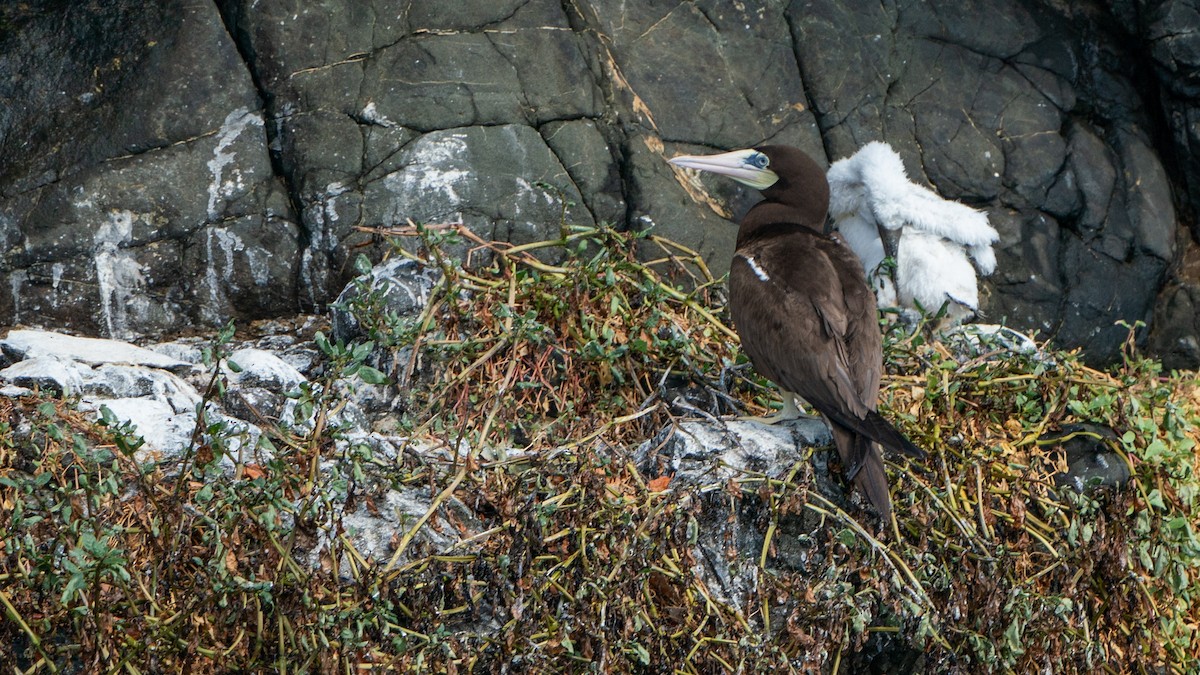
(219,243)
(227,181)
(372,115)
(329,200)
(324,213)
(15,283)
(118,274)
(437,168)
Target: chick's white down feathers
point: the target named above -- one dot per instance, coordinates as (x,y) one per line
(938,238)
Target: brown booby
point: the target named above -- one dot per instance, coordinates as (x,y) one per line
(802,307)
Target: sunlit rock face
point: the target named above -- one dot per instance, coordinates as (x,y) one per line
(185,164)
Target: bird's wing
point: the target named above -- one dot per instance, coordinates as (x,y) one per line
(873,179)
(922,209)
(984,257)
(846,191)
(931,270)
(874,168)
(862,237)
(864,342)
(802,327)
(808,322)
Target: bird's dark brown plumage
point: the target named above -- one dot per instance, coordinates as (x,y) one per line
(807,319)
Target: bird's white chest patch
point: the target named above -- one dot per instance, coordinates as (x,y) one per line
(758,271)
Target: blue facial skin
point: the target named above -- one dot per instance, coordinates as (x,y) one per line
(758,160)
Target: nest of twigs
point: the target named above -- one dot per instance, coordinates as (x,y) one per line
(521,352)
(573,351)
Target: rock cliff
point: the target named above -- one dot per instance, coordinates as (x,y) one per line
(189,163)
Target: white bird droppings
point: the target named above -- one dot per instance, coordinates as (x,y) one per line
(118,273)
(223,187)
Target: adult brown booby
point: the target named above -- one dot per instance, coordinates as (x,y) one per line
(801,305)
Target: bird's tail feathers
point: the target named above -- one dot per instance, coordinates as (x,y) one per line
(863,465)
(878,429)
(873,482)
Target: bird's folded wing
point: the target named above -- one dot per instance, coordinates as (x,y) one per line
(924,210)
(984,257)
(845,197)
(862,237)
(813,334)
(800,328)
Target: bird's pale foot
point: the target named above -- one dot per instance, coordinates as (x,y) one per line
(790,411)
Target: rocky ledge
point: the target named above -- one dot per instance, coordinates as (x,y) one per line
(278,467)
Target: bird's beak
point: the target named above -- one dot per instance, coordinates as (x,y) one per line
(744,166)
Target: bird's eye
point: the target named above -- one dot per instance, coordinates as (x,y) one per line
(758,160)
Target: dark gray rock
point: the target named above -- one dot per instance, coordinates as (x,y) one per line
(398,288)
(1176,337)
(712,73)
(146,199)
(187,164)
(587,157)
(1091,454)
(1170,29)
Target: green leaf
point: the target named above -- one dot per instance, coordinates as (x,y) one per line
(74,584)
(1155,450)
(362,351)
(1155,499)
(846,537)
(362,264)
(1012,636)
(1179,523)
(372,376)
(205,494)
(322,343)
(643,656)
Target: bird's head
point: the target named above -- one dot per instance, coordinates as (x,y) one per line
(785,175)
(748,167)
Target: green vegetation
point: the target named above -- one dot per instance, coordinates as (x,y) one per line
(583,564)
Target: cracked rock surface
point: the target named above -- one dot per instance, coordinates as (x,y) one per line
(188,163)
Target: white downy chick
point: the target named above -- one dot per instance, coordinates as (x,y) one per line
(870,195)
